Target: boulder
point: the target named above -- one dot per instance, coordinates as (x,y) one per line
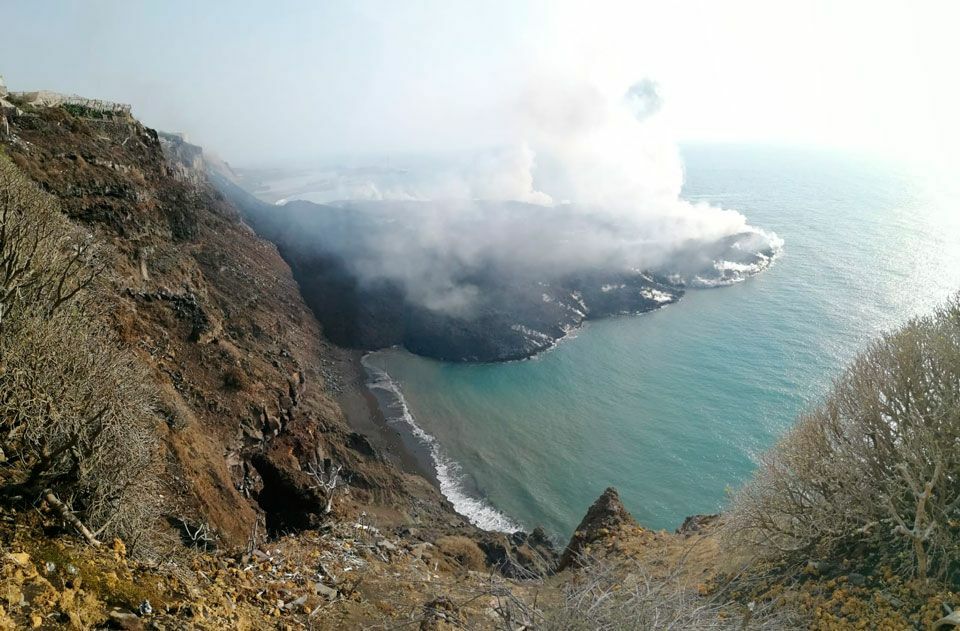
(520,555)
(695,523)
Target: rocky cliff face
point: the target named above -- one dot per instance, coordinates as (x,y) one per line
(247,382)
(604,519)
(240,362)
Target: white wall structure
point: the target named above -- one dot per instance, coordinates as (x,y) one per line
(53,99)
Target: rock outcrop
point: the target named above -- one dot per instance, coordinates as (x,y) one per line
(605,518)
(520,555)
(697,523)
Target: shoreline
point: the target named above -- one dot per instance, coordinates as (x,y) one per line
(374,406)
(361,409)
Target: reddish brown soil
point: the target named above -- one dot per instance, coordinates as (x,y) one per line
(240,363)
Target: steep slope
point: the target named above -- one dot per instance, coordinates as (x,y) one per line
(240,361)
(253,432)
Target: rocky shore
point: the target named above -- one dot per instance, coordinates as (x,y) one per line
(284,498)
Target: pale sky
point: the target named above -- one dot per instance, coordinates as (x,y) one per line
(268,81)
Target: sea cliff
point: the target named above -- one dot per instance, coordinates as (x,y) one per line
(275,509)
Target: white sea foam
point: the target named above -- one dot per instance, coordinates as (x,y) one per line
(732,272)
(578,297)
(537,337)
(656,295)
(449,472)
(572,309)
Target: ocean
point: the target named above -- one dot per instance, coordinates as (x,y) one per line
(673,407)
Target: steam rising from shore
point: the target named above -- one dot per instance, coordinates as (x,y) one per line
(600,181)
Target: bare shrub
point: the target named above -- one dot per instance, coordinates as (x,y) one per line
(876,468)
(44,263)
(606,596)
(325,476)
(234,379)
(76,418)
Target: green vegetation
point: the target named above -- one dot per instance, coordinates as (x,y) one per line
(82,111)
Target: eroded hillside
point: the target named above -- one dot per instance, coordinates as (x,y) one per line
(252,442)
(247,384)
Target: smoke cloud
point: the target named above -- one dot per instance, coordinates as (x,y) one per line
(592,183)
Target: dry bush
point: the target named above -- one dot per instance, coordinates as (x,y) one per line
(873,474)
(234,379)
(463,550)
(44,263)
(606,597)
(76,417)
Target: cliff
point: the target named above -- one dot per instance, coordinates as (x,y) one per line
(247,390)
(244,373)
(281,515)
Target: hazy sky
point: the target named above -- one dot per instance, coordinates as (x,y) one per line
(266,81)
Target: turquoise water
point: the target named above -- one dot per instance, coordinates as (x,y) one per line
(672,407)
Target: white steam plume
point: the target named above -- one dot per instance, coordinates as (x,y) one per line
(601,179)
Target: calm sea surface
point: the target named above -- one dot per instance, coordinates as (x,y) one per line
(673,407)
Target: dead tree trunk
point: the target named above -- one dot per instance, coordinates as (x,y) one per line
(67,515)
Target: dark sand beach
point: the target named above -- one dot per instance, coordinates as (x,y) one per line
(393,440)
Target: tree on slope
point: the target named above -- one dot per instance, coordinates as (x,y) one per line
(875,469)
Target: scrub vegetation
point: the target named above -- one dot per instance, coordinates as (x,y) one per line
(75,416)
(209,384)
(874,472)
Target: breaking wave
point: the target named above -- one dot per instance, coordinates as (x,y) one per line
(727,272)
(450,474)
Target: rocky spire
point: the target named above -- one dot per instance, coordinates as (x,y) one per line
(605,517)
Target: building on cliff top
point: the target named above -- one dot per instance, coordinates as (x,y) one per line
(47,98)
(4,106)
